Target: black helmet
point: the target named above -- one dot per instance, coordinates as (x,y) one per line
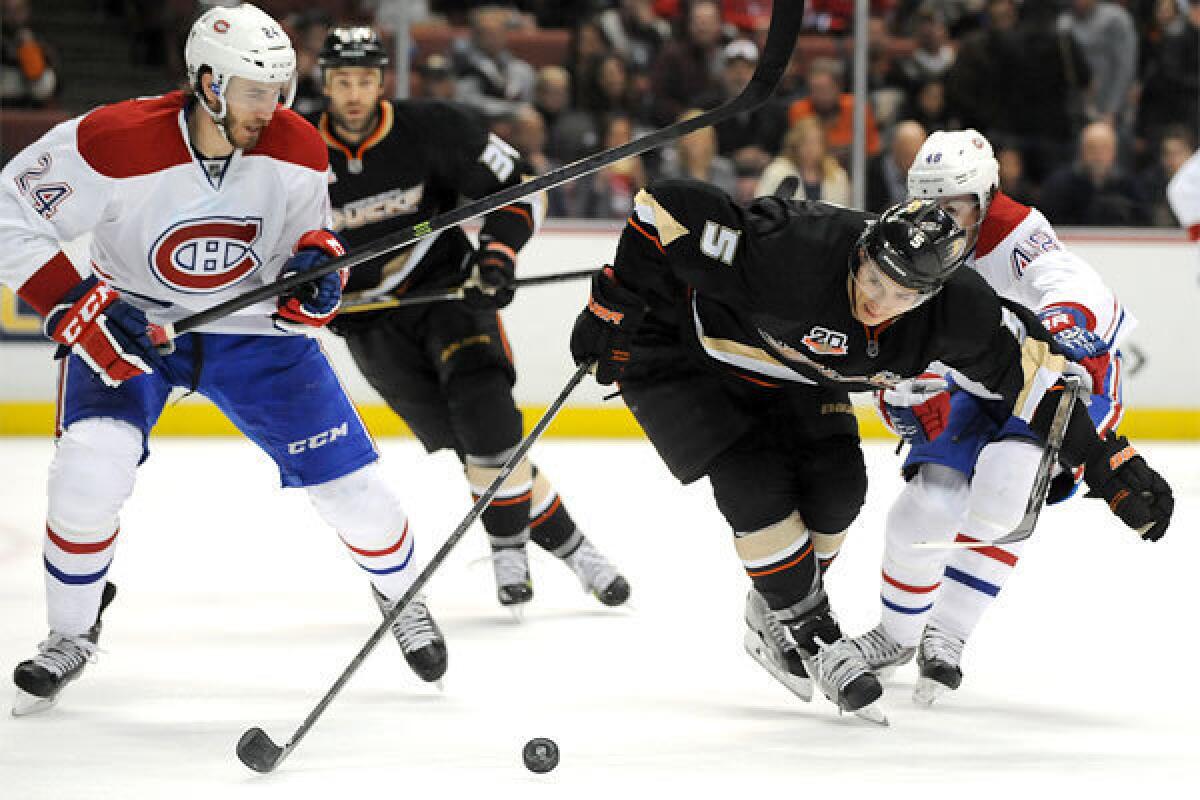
(917,244)
(352,47)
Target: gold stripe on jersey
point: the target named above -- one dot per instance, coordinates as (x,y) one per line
(668,227)
(735,348)
(773,542)
(1036,362)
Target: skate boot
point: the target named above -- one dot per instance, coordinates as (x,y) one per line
(60,660)
(769,645)
(514,587)
(836,665)
(938,656)
(599,577)
(419,637)
(881,652)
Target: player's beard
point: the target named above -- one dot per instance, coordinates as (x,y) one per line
(366,123)
(243,130)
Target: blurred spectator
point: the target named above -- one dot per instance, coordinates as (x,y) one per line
(687,68)
(1171,84)
(961,16)
(635,31)
(695,156)
(837,16)
(1012,177)
(608,193)
(750,139)
(931,57)
(1105,33)
(309,30)
(748,16)
(805,157)
(587,45)
(529,138)
(886,96)
(435,79)
(27,76)
(887,173)
(928,107)
(490,78)
(606,86)
(1094,190)
(1176,147)
(835,109)
(977,88)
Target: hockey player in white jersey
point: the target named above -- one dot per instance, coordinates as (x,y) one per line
(1183,193)
(970,469)
(191,198)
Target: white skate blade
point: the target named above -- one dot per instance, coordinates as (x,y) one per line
(873,713)
(26,704)
(926,691)
(801,687)
(517,611)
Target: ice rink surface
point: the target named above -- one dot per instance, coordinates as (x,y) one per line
(237,607)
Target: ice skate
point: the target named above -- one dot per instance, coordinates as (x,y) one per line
(514,588)
(419,637)
(881,652)
(60,660)
(598,576)
(769,645)
(938,656)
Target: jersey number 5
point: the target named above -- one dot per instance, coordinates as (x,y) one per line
(719,242)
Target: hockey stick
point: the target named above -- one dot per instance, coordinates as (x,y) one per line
(786,18)
(381,303)
(256,749)
(1041,482)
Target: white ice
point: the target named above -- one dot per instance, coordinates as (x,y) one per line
(238,608)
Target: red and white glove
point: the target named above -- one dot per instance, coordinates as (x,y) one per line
(110,335)
(917,409)
(313,304)
(1068,327)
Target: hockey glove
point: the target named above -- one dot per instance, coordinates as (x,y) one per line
(111,336)
(313,304)
(493,276)
(917,409)
(1135,492)
(1078,344)
(603,331)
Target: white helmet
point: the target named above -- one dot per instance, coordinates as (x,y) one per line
(953,163)
(243,42)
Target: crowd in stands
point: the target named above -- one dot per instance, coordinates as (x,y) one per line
(1092,105)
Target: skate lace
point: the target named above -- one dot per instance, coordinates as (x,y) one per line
(593,569)
(61,653)
(839,663)
(938,645)
(878,648)
(511,566)
(414,627)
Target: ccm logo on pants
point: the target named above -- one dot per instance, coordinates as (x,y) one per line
(320,439)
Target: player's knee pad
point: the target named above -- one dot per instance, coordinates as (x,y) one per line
(930,508)
(833,478)
(482,410)
(1004,477)
(91,477)
(361,507)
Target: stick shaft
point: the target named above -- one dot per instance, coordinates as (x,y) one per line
(416,299)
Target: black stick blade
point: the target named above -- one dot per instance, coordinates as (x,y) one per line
(257,751)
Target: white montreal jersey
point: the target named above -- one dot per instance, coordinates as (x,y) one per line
(171,239)
(1020,256)
(1183,193)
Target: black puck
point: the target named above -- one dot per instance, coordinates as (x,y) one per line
(541,755)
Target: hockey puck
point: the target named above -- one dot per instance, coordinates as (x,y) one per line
(541,755)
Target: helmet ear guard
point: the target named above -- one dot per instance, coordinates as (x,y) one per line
(916,244)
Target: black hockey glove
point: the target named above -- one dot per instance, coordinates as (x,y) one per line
(603,331)
(1135,492)
(493,276)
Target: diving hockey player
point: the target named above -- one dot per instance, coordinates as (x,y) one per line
(736,333)
(191,198)
(971,466)
(445,367)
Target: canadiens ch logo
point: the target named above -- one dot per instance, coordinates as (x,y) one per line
(206,255)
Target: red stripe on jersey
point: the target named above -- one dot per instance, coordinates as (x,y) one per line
(290,137)
(1003,215)
(136,137)
(78,548)
(46,287)
(387,551)
(1003,556)
(1194,232)
(904,587)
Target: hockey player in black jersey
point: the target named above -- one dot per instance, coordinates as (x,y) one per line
(444,368)
(736,333)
